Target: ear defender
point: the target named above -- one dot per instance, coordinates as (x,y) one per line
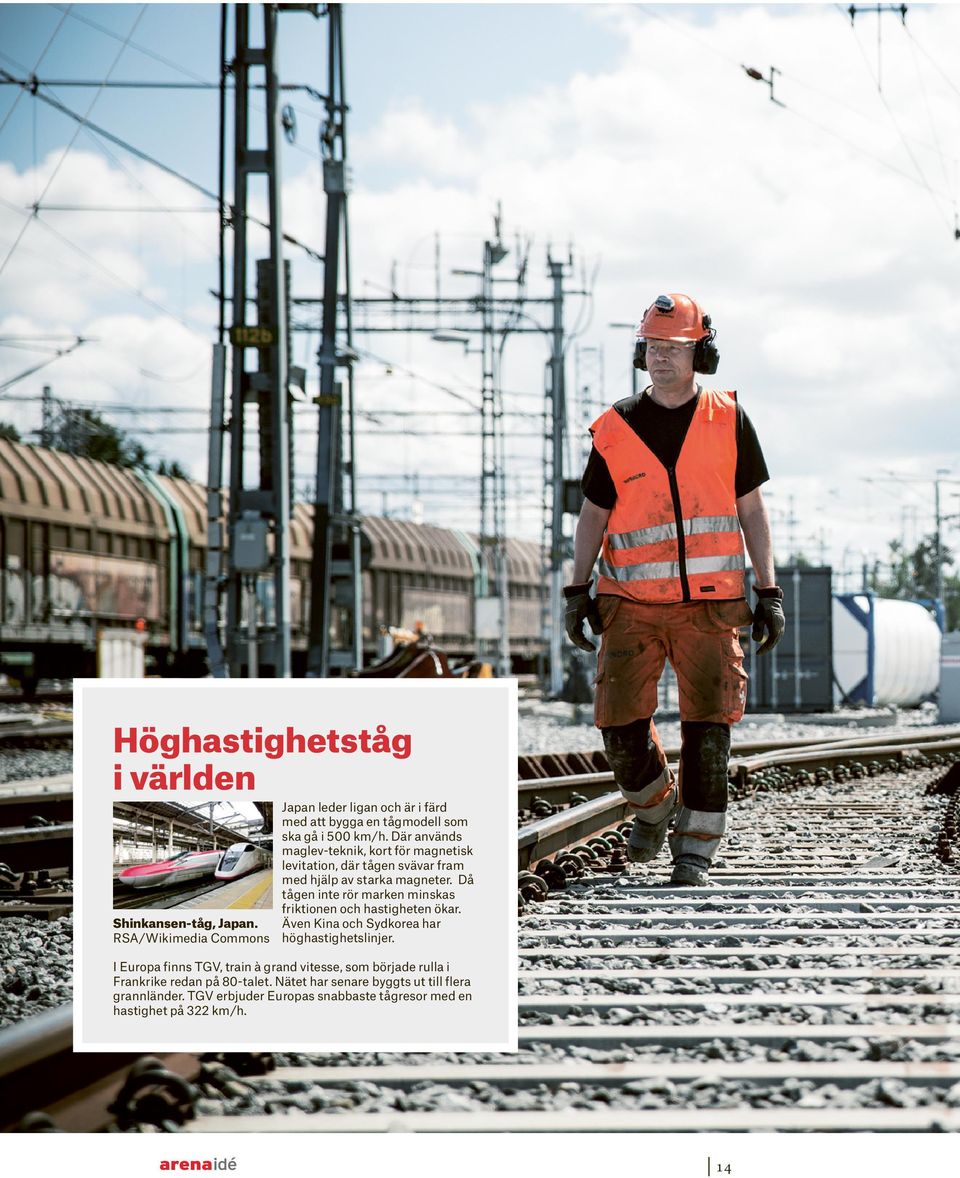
(640,354)
(706,356)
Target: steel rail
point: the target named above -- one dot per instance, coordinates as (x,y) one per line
(744,920)
(765,903)
(647,954)
(776,1035)
(756,754)
(937,1118)
(616,1075)
(690,973)
(754,936)
(29,733)
(598,1003)
(838,754)
(61,783)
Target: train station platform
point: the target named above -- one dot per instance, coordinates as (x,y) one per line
(251,892)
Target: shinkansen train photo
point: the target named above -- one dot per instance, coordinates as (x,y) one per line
(185,866)
(85,545)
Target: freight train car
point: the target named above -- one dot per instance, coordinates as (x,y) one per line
(85,546)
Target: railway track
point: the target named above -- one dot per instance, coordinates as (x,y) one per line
(161,898)
(36,827)
(583,776)
(814,986)
(15,732)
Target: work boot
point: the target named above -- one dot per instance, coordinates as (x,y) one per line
(646,838)
(692,871)
(696,834)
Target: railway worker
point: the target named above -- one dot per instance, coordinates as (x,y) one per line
(674,454)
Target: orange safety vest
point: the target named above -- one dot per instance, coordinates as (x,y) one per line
(674,534)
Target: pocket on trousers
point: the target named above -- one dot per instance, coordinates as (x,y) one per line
(734,690)
(728,615)
(600,701)
(608,605)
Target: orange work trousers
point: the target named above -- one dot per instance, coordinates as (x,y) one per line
(701,640)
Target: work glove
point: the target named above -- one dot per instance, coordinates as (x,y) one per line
(768,617)
(581,605)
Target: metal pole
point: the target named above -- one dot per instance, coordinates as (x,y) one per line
(559,413)
(500,524)
(355,530)
(251,586)
(279,366)
(328,423)
(46,417)
(797,682)
(487,459)
(222,181)
(939,542)
(239,307)
(215,531)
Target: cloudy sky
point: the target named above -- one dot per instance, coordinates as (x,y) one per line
(820,233)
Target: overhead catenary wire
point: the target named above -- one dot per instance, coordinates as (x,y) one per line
(835,100)
(115,160)
(83,121)
(795,79)
(80,84)
(196,326)
(67,149)
(857,148)
(861,150)
(893,118)
(366,354)
(108,273)
(930,118)
(197,81)
(78,342)
(936,65)
(70,11)
(43,54)
(111,406)
(54,208)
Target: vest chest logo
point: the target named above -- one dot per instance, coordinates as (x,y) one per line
(641,475)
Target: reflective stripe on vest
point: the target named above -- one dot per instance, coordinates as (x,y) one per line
(691,527)
(660,570)
(673,534)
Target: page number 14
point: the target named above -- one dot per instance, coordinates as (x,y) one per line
(718,1168)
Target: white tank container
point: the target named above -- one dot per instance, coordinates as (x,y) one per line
(907,652)
(885,652)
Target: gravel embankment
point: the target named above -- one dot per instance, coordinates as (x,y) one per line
(550,726)
(36,966)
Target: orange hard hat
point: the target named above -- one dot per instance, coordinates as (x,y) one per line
(674,317)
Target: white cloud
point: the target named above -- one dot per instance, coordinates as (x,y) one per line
(830,277)
(418,140)
(828,274)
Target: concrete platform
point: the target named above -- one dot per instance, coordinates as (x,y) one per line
(253,891)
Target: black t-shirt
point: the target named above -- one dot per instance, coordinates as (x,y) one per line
(663,431)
